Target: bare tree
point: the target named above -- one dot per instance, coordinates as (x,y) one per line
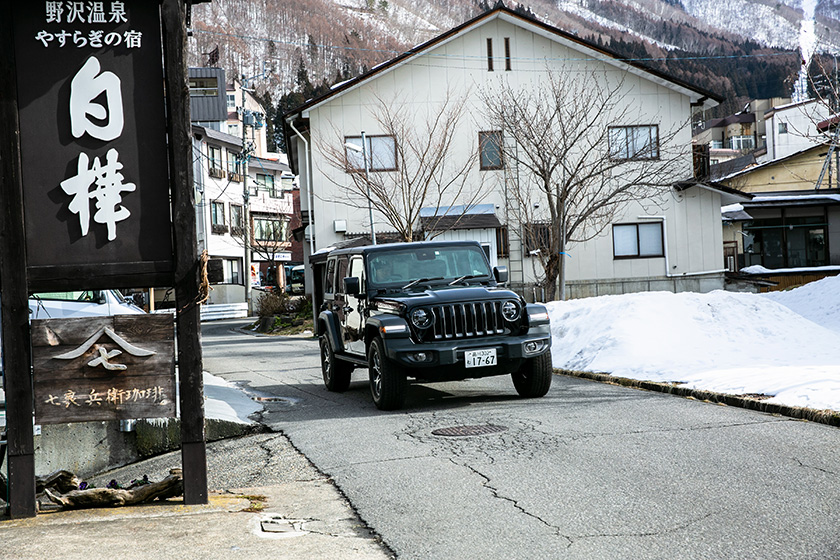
(579,149)
(419,165)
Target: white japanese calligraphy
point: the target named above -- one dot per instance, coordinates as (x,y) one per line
(75,11)
(118,13)
(108,188)
(87,85)
(54,11)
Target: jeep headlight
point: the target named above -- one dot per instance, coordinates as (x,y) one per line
(510,311)
(421,318)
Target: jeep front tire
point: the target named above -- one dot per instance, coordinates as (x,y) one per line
(533,379)
(336,372)
(388,384)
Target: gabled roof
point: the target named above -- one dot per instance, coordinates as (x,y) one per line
(698,95)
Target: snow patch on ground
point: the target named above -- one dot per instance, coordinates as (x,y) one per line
(784,344)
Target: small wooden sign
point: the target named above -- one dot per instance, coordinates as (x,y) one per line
(103,368)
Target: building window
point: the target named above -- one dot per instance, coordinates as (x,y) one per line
(381,153)
(217,217)
(638,240)
(507,53)
(634,142)
(266,183)
(787,241)
(214,155)
(740,142)
(233,166)
(236,219)
(269,229)
(490,144)
(231,102)
(502,242)
(489,55)
(783,128)
(233,268)
(204,87)
(537,238)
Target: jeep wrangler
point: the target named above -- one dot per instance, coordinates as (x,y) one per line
(427,311)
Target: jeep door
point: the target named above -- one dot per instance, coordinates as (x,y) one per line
(354,312)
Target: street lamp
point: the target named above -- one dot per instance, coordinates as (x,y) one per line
(363,151)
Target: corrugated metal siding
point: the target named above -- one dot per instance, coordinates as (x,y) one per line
(207,108)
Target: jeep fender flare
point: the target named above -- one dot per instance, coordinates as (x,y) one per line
(386,327)
(328,326)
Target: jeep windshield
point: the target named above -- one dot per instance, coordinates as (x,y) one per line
(412,266)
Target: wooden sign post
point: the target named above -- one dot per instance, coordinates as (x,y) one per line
(93,162)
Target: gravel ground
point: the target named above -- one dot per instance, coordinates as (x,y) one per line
(246,462)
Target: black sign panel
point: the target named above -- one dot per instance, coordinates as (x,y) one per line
(93,144)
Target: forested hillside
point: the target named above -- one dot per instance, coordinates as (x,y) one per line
(309,45)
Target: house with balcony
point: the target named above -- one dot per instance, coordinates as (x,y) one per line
(240,188)
(671,243)
(788,232)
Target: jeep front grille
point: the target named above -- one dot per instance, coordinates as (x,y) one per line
(467,320)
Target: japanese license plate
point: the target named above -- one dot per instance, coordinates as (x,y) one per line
(480,358)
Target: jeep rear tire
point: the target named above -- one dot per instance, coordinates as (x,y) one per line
(533,379)
(336,372)
(388,384)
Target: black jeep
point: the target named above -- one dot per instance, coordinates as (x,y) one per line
(431,311)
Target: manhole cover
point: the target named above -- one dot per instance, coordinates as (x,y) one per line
(464,431)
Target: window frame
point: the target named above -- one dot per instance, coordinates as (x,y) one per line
(368,153)
(489,54)
(638,254)
(263,183)
(214,204)
(507,55)
(483,142)
(203,86)
(279,231)
(626,144)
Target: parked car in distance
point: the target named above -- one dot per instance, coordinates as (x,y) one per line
(82,303)
(427,311)
(296,279)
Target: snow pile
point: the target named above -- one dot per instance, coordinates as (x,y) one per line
(786,344)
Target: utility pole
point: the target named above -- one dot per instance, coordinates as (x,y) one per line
(246,194)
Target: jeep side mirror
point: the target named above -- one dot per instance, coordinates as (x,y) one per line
(501,274)
(351,286)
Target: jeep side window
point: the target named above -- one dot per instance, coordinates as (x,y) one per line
(329,281)
(357,270)
(341,272)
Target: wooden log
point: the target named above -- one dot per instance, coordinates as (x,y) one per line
(169,487)
(62,481)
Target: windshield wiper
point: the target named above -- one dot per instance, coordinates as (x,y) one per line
(415,282)
(466,277)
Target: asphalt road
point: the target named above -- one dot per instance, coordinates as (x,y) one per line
(590,471)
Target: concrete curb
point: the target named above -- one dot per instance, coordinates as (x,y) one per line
(829,417)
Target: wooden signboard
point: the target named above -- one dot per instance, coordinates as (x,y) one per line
(103,368)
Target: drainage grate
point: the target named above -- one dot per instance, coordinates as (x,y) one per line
(465,431)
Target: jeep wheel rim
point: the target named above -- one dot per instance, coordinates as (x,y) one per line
(376,385)
(325,358)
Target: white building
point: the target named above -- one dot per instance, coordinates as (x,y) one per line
(681,240)
(792,128)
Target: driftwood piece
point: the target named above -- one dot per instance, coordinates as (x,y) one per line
(62,481)
(169,487)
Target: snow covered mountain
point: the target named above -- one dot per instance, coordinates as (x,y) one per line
(738,48)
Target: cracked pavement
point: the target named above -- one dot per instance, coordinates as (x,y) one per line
(589,471)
